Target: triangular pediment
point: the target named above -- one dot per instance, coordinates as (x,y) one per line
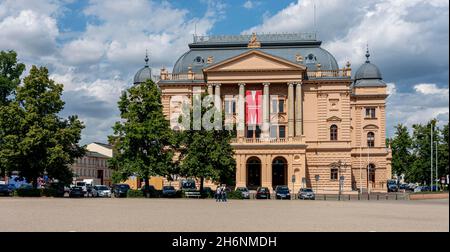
(254,60)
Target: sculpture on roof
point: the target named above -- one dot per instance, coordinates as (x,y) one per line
(254,43)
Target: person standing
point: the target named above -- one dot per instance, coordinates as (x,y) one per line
(224,193)
(218,193)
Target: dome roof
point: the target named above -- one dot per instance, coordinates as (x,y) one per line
(368,70)
(144,74)
(368,75)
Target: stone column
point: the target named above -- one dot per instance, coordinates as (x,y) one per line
(298,110)
(291,110)
(217,98)
(210,89)
(266,110)
(241,111)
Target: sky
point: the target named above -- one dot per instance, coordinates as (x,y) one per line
(94,47)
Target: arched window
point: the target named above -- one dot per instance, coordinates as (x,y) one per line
(372,173)
(370,139)
(333,132)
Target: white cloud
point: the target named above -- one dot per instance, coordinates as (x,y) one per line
(430,89)
(29,33)
(248,4)
(418,107)
(83,51)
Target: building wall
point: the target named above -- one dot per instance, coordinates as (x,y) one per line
(87,167)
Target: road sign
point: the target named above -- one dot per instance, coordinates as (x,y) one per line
(317,177)
(293,178)
(341,178)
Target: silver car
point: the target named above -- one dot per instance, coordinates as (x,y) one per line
(306,193)
(101,191)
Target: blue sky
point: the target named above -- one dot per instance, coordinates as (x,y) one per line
(94,47)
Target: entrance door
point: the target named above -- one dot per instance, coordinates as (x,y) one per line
(253,173)
(100,176)
(279,172)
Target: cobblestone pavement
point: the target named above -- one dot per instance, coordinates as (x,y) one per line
(67,215)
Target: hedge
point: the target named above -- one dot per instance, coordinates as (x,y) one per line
(135,194)
(234,195)
(28,192)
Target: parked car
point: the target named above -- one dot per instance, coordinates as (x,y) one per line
(169,191)
(149,191)
(392,188)
(120,190)
(403,186)
(244,192)
(263,193)
(306,193)
(282,192)
(101,191)
(5,190)
(76,192)
(58,187)
(422,189)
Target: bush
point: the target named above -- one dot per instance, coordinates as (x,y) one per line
(135,194)
(49,192)
(234,195)
(28,192)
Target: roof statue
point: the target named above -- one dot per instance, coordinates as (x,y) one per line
(254,43)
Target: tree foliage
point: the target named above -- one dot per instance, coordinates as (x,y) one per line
(207,153)
(142,140)
(36,141)
(10,71)
(401,145)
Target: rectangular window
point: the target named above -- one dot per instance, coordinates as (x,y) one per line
(334,174)
(230,107)
(277,106)
(273,131)
(370,113)
(282,131)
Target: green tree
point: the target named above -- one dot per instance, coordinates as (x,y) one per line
(37,140)
(207,153)
(401,150)
(142,140)
(421,142)
(10,71)
(443,152)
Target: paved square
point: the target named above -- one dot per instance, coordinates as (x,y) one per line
(53,214)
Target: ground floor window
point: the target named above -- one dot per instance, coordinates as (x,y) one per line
(334,174)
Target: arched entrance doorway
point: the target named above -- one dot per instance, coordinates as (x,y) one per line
(279,172)
(253,173)
(371,175)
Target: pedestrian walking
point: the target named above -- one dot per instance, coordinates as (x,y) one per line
(224,193)
(218,194)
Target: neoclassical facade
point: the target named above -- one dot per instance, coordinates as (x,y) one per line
(301,120)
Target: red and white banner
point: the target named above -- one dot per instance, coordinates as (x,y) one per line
(253,107)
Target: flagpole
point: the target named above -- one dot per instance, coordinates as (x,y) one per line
(431,151)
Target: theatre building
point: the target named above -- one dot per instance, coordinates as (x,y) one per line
(302,120)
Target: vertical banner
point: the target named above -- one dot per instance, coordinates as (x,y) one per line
(253,107)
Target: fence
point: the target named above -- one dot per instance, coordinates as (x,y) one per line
(348,197)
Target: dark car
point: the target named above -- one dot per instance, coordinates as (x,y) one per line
(58,188)
(5,190)
(169,191)
(392,188)
(263,193)
(306,193)
(244,192)
(282,192)
(149,191)
(120,190)
(403,187)
(76,192)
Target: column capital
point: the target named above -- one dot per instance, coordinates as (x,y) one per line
(241,84)
(291,84)
(217,84)
(266,83)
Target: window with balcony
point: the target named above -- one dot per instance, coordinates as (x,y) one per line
(371,139)
(370,113)
(333,133)
(253,131)
(277,131)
